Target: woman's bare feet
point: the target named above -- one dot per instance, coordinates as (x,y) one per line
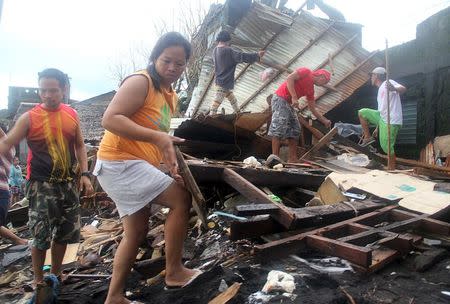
(181,277)
(117,300)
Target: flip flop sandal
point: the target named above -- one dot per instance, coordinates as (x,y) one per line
(187,284)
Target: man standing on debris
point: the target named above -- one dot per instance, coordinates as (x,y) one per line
(285,122)
(225,60)
(137,121)
(378,117)
(53,134)
(5,165)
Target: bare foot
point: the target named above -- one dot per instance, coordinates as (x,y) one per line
(181,276)
(117,300)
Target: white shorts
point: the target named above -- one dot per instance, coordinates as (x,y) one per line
(131,184)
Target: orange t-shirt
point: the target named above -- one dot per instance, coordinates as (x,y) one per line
(155,114)
(51,140)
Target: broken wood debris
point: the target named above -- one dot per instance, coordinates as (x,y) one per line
(354,239)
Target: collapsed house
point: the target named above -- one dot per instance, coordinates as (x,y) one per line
(333,228)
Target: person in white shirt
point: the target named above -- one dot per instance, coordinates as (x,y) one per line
(378,117)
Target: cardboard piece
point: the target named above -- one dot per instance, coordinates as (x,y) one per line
(428,202)
(70,256)
(414,194)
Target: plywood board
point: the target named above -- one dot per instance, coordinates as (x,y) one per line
(70,256)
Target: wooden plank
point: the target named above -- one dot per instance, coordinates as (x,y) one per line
(285,217)
(317,216)
(355,254)
(415,163)
(256,209)
(253,227)
(295,241)
(212,172)
(349,73)
(322,142)
(382,257)
(227,295)
(198,201)
(394,227)
(316,133)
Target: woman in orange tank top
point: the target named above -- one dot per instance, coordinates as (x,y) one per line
(136,140)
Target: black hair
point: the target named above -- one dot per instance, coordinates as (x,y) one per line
(223,36)
(165,41)
(62,78)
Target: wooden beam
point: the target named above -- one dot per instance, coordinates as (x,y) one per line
(415,163)
(278,73)
(256,209)
(349,73)
(210,172)
(322,142)
(285,216)
(297,240)
(361,256)
(337,52)
(316,133)
(254,227)
(324,63)
(198,201)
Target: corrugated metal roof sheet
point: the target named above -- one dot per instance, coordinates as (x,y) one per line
(352,64)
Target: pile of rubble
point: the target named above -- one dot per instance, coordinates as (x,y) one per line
(325,230)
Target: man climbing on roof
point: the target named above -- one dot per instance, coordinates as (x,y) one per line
(378,117)
(225,60)
(285,122)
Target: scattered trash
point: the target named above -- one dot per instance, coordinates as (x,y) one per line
(223,286)
(252,162)
(431,242)
(279,280)
(239,218)
(359,160)
(330,265)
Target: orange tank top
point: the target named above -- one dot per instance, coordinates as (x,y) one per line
(155,114)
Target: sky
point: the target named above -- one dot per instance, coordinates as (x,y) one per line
(87,39)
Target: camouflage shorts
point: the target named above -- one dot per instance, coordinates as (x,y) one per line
(54,213)
(285,122)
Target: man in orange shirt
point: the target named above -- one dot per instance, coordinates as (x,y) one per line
(55,142)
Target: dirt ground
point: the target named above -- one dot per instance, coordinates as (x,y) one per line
(396,283)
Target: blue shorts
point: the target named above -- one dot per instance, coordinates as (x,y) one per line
(4,206)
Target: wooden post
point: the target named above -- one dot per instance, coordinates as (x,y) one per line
(198,201)
(391,158)
(322,142)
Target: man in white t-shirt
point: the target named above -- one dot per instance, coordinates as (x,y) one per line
(379,117)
